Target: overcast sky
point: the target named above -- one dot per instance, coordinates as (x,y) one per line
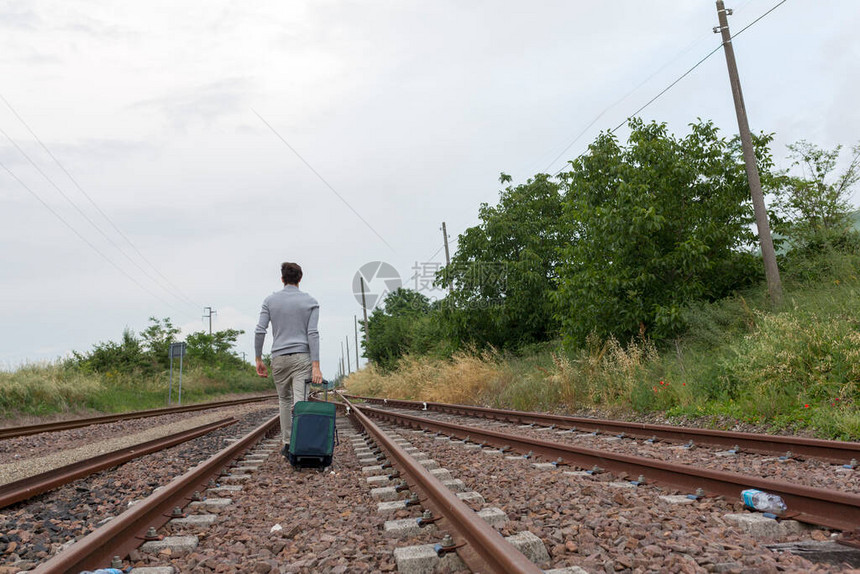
(408,110)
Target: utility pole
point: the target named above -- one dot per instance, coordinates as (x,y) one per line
(447,255)
(357,364)
(364,306)
(342,370)
(445,237)
(771,271)
(348,364)
(209,312)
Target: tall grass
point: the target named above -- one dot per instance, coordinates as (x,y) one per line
(465,378)
(50,388)
(44,388)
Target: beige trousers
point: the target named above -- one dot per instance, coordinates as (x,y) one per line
(290,373)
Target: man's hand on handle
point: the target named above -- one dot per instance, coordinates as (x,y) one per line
(316,373)
(262,370)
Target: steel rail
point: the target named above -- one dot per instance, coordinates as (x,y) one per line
(486,550)
(31,486)
(11,432)
(812,505)
(840,452)
(125,532)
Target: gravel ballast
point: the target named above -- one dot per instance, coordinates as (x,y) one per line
(283,520)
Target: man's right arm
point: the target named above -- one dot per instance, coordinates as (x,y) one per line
(259,339)
(314,343)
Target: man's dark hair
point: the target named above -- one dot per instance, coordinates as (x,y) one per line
(291,273)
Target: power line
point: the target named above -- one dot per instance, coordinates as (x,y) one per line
(322,179)
(627,95)
(94,204)
(621,99)
(681,77)
(742,30)
(82,238)
(667,88)
(82,213)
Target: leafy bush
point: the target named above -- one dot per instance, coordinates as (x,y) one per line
(127,356)
(503,273)
(130,374)
(657,224)
(157,339)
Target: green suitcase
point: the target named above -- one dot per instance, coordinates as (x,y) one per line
(313,434)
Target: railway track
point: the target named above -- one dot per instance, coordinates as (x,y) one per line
(817,506)
(31,486)
(840,452)
(25,430)
(125,533)
(46,512)
(483,550)
(401,496)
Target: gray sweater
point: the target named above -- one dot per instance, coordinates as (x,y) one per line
(294,315)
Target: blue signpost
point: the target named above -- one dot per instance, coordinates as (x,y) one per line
(176,350)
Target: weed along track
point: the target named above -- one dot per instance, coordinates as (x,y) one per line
(402,498)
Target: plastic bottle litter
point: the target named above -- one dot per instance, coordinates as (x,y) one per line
(104,571)
(763,501)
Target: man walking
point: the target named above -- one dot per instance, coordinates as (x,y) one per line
(295,345)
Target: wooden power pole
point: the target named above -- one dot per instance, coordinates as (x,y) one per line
(774,286)
(364,306)
(447,254)
(356,342)
(348,364)
(445,237)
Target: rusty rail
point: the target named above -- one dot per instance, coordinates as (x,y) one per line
(125,532)
(10,432)
(840,452)
(812,505)
(486,550)
(31,486)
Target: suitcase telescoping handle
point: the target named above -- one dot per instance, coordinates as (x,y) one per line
(310,382)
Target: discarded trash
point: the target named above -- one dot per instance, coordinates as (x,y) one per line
(276,528)
(763,501)
(700,493)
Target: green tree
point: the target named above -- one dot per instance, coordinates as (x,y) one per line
(815,205)
(504,271)
(214,349)
(127,356)
(157,339)
(398,327)
(656,224)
